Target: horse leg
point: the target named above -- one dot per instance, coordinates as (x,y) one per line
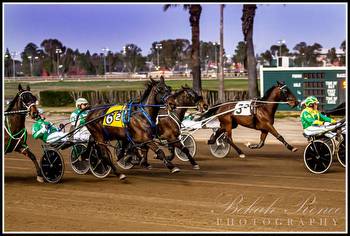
(230,141)
(143,157)
(263,136)
(161,156)
(30,155)
(274,132)
(107,160)
(185,150)
(216,135)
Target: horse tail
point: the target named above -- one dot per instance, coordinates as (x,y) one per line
(210,112)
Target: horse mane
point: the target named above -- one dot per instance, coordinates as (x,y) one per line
(12,103)
(178,92)
(267,93)
(149,86)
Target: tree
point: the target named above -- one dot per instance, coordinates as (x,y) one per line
(279,50)
(240,55)
(195,13)
(332,55)
(133,57)
(50,46)
(172,52)
(342,57)
(221,76)
(247,28)
(306,55)
(266,56)
(8,63)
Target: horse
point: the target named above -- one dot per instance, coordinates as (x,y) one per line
(140,127)
(169,124)
(262,119)
(15,132)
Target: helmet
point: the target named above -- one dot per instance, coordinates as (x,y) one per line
(40,111)
(311,100)
(81,101)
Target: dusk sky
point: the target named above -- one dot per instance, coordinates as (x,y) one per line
(94,26)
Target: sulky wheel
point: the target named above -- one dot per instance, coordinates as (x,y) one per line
(52,166)
(318,156)
(220,148)
(97,167)
(188,141)
(79,159)
(342,152)
(124,161)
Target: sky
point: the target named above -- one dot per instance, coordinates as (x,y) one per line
(95,26)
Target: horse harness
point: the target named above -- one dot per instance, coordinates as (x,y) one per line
(22,134)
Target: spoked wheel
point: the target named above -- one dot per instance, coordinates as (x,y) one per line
(79,159)
(220,148)
(125,161)
(97,167)
(52,166)
(342,152)
(318,157)
(188,141)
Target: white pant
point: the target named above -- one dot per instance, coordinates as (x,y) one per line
(314,130)
(82,134)
(56,136)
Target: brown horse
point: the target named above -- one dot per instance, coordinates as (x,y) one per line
(169,124)
(262,117)
(140,128)
(15,131)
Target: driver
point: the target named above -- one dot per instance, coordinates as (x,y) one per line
(45,130)
(313,121)
(77,119)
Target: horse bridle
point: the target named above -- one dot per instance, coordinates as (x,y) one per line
(23,103)
(283,92)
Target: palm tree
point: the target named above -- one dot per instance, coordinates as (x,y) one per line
(221,76)
(195,13)
(247,28)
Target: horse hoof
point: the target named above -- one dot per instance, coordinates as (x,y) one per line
(241,155)
(122,177)
(196,167)
(149,167)
(294,149)
(175,169)
(40,179)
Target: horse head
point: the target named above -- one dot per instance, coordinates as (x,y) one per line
(159,90)
(188,97)
(286,95)
(26,100)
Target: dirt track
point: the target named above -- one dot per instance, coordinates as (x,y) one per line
(262,192)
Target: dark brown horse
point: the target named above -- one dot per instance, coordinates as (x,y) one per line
(169,124)
(15,131)
(262,116)
(140,128)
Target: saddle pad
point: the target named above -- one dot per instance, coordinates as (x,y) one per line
(242,108)
(114,116)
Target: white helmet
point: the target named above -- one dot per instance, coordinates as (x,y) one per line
(40,111)
(81,101)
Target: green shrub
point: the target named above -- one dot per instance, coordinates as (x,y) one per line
(51,98)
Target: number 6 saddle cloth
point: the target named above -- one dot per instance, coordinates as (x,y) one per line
(114,116)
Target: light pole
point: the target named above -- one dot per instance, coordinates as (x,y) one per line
(105,51)
(58,51)
(31,65)
(35,58)
(216,60)
(158,47)
(280,42)
(13,54)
